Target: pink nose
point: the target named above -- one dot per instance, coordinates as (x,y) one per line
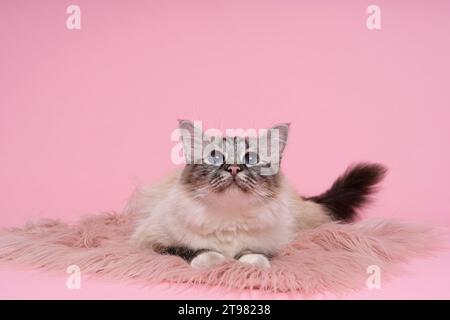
(234,169)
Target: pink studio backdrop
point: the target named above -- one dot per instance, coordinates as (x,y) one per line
(85,114)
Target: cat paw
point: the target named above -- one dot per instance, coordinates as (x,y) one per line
(256,259)
(207,259)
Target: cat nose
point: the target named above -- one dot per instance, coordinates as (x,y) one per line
(233,169)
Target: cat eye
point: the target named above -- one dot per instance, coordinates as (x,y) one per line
(251,159)
(216,158)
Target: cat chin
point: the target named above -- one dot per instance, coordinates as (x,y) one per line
(232,196)
(234,187)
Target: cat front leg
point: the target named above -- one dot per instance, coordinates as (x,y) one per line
(207,259)
(198,259)
(259,260)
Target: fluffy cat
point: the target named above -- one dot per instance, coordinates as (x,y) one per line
(224,207)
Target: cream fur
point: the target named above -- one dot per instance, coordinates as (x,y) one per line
(225,223)
(255,259)
(207,259)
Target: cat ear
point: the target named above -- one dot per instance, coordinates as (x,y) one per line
(186,126)
(191,136)
(283,132)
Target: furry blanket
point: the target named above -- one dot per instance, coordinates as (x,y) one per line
(332,258)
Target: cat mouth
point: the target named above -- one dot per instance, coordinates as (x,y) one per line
(233,184)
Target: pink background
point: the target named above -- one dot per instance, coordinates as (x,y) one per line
(85,114)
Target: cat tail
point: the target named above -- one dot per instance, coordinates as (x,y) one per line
(351,191)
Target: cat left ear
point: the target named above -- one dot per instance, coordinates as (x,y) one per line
(283,132)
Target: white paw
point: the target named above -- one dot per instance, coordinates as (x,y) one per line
(207,259)
(255,259)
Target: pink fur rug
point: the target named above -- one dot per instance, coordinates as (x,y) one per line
(332,258)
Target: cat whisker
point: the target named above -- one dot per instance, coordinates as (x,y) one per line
(250,179)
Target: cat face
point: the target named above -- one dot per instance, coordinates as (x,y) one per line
(239,164)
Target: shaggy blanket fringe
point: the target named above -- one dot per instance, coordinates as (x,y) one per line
(331,258)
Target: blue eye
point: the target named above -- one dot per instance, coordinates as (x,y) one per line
(216,158)
(251,158)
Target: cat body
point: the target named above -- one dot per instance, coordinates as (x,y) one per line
(223,208)
(228,223)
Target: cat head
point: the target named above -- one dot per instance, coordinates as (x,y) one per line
(243,163)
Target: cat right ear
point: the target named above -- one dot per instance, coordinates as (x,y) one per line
(191,136)
(186,126)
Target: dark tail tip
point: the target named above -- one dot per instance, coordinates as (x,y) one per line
(351,191)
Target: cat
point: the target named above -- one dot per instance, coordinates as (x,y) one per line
(222,206)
